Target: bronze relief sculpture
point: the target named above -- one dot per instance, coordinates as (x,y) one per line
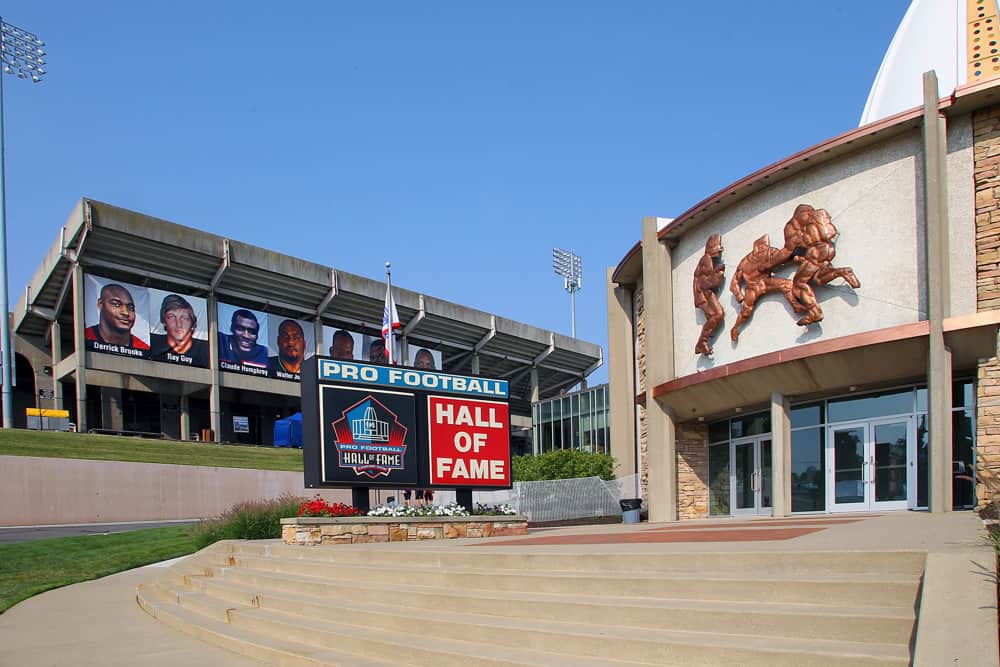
(754,272)
(708,275)
(809,242)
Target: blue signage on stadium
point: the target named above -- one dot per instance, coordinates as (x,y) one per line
(408,378)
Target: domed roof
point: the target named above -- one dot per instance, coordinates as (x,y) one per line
(955,38)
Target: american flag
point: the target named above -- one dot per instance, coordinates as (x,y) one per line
(390,322)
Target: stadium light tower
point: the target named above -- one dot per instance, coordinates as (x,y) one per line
(569,265)
(21,54)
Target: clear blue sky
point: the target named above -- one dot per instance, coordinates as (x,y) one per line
(460,140)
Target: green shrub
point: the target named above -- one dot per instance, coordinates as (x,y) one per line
(250,520)
(563,464)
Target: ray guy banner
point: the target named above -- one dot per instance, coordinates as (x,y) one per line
(370,425)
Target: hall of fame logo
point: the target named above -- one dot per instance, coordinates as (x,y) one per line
(370,439)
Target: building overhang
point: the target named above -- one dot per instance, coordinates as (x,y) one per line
(872,358)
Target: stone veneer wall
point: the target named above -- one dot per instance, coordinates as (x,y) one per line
(986,171)
(357,530)
(692,471)
(640,354)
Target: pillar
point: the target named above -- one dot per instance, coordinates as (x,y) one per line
(937,267)
(534,385)
(621,377)
(661,447)
(318,338)
(184,408)
(79,345)
(55,337)
(214,398)
(781,455)
(475,363)
(111,409)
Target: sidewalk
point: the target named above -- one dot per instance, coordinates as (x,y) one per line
(98,624)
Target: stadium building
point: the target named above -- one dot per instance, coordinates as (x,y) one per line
(139,325)
(821,335)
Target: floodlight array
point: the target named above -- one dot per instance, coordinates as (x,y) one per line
(21,52)
(569,265)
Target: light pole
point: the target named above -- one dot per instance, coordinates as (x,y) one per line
(569,265)
(21,54)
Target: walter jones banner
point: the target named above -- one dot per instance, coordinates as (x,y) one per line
(390,426)
(131,321)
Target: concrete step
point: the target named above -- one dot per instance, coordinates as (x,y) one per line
(858,591)
(252,645)
(752,563)
(875,625)
(418,641)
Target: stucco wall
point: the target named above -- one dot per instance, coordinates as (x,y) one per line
(39,491)
(873,197)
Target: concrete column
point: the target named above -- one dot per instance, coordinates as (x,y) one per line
(55,336)
(938,269)
(111,408)
(534,385)
(184,408)
(475,364)
(214,397)
(781,455)
(318,337)
(404,350)
(661,446)
(621,377)
(79,345)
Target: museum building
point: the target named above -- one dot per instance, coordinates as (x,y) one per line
(139,325)
(821,335)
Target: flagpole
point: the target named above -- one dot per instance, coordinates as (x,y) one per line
(390,340)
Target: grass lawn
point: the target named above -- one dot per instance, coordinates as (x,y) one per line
(22,442)
(28,568)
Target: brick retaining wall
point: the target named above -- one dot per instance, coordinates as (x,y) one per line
(355,530)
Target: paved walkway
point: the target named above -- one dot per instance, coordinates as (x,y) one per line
(99,623)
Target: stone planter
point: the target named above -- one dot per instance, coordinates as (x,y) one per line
(310,530)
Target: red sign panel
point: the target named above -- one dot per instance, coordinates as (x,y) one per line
(469,442)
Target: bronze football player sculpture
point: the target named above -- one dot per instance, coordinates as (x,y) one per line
(754,272)
(818,235)
(708,275)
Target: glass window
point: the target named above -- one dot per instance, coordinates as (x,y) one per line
(546,411)
(922,460)
(921,399)
(754,424)
(718,431)
(718,480)
(963,394)
(963,433)
(808,466)
(868,407)
(807,415)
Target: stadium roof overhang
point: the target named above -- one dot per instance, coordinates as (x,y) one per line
(111,241)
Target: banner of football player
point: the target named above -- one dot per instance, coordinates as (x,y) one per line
(290,342)
(391,427)
(242,340)
(341,343)
(132,321)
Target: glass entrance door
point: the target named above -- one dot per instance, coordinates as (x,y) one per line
(871,465)
(751,476)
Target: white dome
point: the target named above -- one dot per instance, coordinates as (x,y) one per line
(933,35)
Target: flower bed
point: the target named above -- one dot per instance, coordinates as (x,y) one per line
(309,530)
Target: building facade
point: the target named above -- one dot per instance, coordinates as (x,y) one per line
(577,420)
(821,336)
(136,324)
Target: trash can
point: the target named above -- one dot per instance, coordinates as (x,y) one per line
(630,509)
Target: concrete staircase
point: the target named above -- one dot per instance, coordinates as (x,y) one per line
(362,605)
